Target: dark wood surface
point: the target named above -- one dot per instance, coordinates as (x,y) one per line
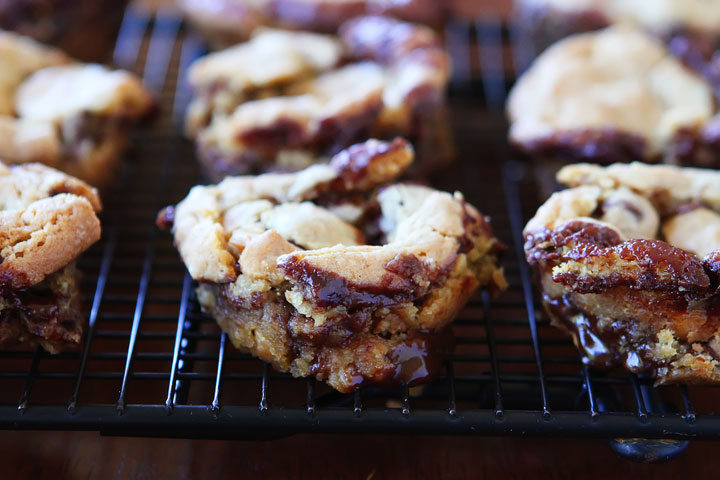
(80,455)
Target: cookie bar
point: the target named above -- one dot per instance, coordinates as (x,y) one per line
(615,95)
(47,219)
(689,28)
(628,263)
(62,113)
(321,274)
(316,94)
(226,22)
(223,80)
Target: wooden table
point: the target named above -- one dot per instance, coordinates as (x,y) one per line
(80,455)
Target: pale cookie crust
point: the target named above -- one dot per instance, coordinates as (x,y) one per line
(668,186)
(57,93)
(48,219)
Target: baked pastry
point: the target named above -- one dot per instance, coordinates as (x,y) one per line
(554,19)
(84,28)
(690,28)
(62,113)
(47,219)
(226,22)
(321,274)
(285,100)
(612,96)
(223,80)
(628,261)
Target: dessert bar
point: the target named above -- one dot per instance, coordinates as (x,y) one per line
(628,262)
(615,95)
(334,271)
(65,114)
(47,219)
(285,100)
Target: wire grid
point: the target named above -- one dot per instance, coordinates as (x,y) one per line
(154,364)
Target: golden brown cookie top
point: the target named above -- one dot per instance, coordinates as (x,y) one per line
(47,219)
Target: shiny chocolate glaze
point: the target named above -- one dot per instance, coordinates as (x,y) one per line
(614,345)
(660,266)
(417,360)
(546,245)
(697,146)
(408,278)
(344,345)
(656,286)
(646,264)
(45,314)
(261,145)
(711,264)
(604,146)
(356,163)
(420,358)
(606,343)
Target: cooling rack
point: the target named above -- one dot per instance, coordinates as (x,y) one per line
(154,365)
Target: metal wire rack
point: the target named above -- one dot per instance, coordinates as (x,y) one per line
(154,365)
